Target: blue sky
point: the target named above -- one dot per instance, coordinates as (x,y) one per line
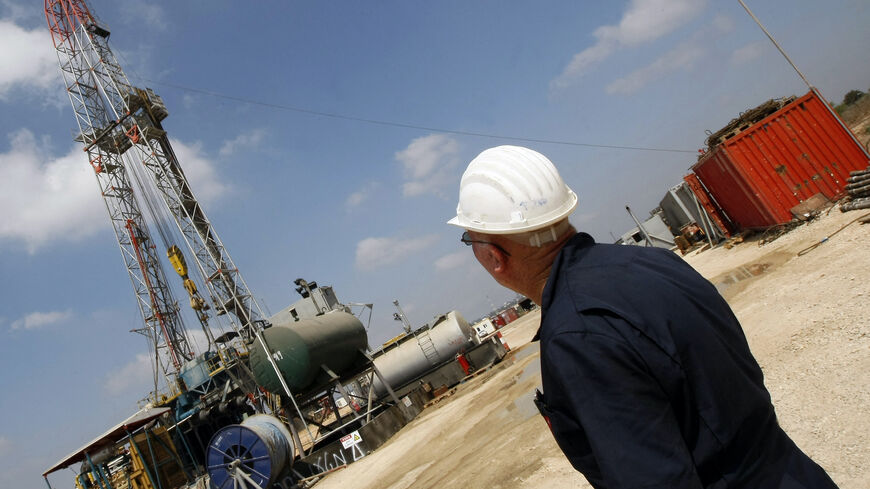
(360,206)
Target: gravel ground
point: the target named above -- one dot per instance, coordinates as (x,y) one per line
(806,318)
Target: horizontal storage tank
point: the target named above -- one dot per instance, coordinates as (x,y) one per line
(758,175)
(416,353)
(300,348)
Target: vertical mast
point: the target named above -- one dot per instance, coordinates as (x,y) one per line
(99,93)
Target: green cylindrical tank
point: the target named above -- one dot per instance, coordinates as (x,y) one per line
(300,348)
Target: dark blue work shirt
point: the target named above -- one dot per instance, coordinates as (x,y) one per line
(648,379)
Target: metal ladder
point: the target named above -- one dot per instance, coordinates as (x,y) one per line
(428,346)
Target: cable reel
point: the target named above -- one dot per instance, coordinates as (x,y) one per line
(250,455)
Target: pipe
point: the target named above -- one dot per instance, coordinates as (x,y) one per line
(98,473)
(183,439)
(856,204)
(704,220)
(679,202)
(401,317)
(153,457)
(781,51)
(392,393)
(860,189)
(639,227)
(294,434)
(854,179)
(369,403)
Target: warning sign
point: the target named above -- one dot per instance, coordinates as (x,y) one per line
(350,440)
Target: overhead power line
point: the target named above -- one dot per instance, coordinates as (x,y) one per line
(379,122)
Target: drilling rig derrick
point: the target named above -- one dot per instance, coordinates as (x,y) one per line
(96,87)
(136,168)
(120,127)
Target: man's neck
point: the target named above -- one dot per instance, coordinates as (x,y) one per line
(540,264)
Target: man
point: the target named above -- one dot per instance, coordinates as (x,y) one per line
(648,379)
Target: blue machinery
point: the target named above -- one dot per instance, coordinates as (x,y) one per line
(249,455)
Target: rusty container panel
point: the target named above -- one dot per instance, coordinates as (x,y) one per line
(713,210)
(760,174)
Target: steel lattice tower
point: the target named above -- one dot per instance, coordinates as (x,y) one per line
(118,121)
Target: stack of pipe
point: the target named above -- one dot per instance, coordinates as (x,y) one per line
(858,189)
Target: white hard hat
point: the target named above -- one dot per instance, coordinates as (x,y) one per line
(509,190)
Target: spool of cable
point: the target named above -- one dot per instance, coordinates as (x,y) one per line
(251,454)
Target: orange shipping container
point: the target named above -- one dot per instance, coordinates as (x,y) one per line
(757,176)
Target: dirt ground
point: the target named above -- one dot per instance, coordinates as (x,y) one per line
(806,318)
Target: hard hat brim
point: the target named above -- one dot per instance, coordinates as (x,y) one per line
(516,228)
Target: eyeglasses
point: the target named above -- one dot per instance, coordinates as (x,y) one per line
(468,242)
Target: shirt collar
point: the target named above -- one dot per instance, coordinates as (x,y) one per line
(577,242)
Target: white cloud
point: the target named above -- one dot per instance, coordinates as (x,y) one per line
(245,140)
(427,161)
(363,194)
(28,60)
(36,320)
(424,154)
(413,189)
(5,446)
(356,198)
(453,260)
(643,21)
(197,338)
(136,376)
(372,253)
(681,57)
(747,53)
(201,172)
(44,199)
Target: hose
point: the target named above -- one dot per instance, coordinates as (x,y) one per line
(816,245)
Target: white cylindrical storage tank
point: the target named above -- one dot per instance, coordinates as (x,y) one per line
(415,354)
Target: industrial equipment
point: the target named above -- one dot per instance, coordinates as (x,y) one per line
(120,127)
(411,355)
(685,216)
(652,232)
(334,340)
(208,419)
(251,454)
(133,161)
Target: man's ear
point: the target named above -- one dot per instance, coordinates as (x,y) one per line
(499,258)
(491,258)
